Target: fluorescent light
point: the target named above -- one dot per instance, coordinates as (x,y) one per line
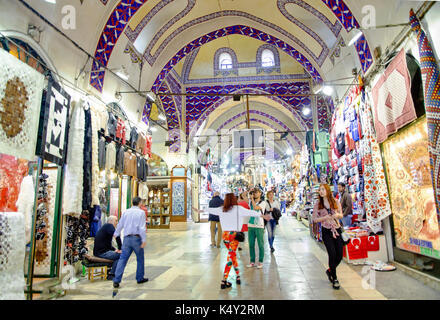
(327,90)
(162,117)
(306,111)
(52,1)
(355,37)
(122,75)
(154,129)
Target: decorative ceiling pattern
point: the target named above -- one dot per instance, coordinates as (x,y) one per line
(126,9)
(199,107)
(245,31)
(113,29)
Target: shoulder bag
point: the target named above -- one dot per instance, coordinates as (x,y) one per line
(239,236)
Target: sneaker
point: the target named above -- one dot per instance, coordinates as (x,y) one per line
(251,265)
(260,266)
(272,250)
(336,284)
(115,285)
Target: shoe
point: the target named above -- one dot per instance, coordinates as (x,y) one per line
(251,265)
(110,277)
(143,280)
(225,284)
(238,280)
(212,245)
(336,284)
(239,249)
(272,250)
(260,266)
(329,275)
(115,285)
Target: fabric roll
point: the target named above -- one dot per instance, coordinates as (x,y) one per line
(73,183)
(431,80)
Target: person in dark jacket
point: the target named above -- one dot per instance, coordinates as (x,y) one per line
(103,244)
(214,220)
(346,203)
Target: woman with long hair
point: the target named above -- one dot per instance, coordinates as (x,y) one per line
(231,220)
(328,211)
(243,200)
(271,224)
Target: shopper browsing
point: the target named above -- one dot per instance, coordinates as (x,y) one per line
(346,204)
(133,223)
(273,210)
(231,219)
(256,230)
(328,211)
(216,202)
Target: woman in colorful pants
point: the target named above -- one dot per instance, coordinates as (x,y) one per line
(231,220)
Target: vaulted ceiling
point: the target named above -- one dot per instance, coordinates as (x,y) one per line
(171,45)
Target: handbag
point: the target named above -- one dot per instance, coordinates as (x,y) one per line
(239,236)
(344,236)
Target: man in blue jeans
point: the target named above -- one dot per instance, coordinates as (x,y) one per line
(346,204)
(103,244)
(133,223)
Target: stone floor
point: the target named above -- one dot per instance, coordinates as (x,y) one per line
(181,265)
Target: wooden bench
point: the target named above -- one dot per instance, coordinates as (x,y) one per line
(96,267)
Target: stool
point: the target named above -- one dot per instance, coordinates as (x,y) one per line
(96,267)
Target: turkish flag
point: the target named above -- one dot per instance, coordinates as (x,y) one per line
(357,248)
(372,243)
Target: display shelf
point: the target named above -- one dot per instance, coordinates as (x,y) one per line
(158,207)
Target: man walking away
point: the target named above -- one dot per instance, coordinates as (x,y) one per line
(103,248)
(346,204)
(133,223)
(215,202)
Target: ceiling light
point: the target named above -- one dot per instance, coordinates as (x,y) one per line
(289,152)
(306,111)
(327,90)
(355,35)
(162,117)
(154,129)
(52,1)
(122,75)
(151,97)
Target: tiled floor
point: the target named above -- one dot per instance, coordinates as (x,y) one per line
(181,265)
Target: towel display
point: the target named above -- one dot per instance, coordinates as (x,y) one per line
(21,89)
(393,106)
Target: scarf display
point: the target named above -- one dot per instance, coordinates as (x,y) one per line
(377,201)
(21,89)
(12,254)
(431,79)
(393,105)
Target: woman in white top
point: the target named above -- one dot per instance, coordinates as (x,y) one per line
(271,224)
(231,220)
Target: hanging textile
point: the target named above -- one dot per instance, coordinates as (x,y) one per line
(25,203)
(393,105)
(21,89)
(73,183)
(12,254)
(431,79)
(377,202)
(12,171)
(95,157)
(54,126)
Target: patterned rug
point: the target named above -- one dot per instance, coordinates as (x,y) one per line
(431,79)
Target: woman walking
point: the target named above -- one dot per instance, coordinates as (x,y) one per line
(256,230)
(328,211)
(231,220)
(271,224)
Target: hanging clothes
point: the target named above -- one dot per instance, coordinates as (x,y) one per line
(111,125)
(25,203)
(134,135)
(102,145)
(120,159)
(120,131)
(87,162)
(110,157)
(95,157)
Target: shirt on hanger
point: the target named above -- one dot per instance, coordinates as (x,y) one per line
(110,159)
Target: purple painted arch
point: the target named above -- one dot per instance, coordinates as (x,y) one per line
(240,30)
